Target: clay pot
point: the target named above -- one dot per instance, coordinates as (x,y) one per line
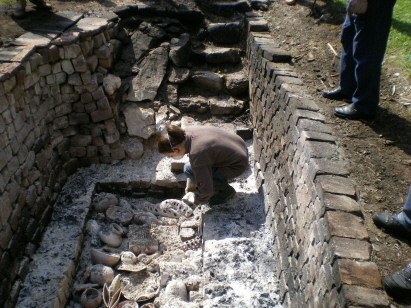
(91,298)
(128,257)
(112,237)
(101,274)
(119,215)
(106,258)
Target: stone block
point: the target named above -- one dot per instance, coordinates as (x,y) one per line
(346,225)
(351,248)
(71,51)
(79,118)
(140,121)
(226,107)
(80,140)
(342,203)
(67,67)
(98,94)
(86,77)
(60,123)
(6,234)
(336,185)
(44,70)
(78,152)
(5,207)
(92,63)
(101,115)
(133,148)
(209,81)
(80,64)
(63,109)
(103,103)
(358,296)
(359,273)
(112,138)
(118,153)
(75,80)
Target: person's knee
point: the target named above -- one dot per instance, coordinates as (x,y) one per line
(188,171)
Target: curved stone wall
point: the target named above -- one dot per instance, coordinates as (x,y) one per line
(321,242)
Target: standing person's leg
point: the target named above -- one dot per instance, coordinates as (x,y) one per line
(348,82)
(369,47)
(405,215)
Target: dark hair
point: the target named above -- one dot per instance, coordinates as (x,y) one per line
(175,135)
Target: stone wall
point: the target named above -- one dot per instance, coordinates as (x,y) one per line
(57,113)
(320,241)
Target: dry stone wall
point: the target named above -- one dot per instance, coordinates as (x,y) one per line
(57,113)
(320,241)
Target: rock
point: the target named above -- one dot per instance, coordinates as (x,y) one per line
(195,104)
(178,74)
(168,93)
(140,121)
(133,147)
(180,50)
(237,84)
(145,85)
(111,83)
(220,55)
(187,234)
(225,106)
(225,33)
(209,81)
(227,9)
(261,5)
(147,38)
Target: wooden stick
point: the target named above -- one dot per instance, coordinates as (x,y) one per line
(332,49)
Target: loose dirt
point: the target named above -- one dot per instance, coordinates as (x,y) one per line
(377,152)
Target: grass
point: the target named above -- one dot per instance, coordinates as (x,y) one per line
(399,42)
(7,1)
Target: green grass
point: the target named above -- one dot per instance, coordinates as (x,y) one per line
(7,1)
(399,42)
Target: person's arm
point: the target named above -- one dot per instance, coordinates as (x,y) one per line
(357,7)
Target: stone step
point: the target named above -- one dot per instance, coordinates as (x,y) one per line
(226,33)
(227,8)
(217,55)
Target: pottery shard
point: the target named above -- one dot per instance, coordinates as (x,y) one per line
(119,215)
(225,33)
(144,86)
(103,201)
(209,81)
(140,121)
(170,208)
(180,50)
(226,106)
(187,234)
(141,240)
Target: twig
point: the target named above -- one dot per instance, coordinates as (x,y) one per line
(332,49)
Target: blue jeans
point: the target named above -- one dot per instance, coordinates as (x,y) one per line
(405,216)
(364,40)
(217,174)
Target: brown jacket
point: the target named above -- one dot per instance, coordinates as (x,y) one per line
(211,147)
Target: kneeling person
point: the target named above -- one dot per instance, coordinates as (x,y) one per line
(215,155)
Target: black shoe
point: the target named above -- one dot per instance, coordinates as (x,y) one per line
(391,224)
(222,192)
(350,112)
(399,283)
(336,94)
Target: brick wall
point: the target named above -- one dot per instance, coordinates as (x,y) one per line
(55,116)
(320,241)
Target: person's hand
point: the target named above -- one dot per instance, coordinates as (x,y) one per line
(357,7)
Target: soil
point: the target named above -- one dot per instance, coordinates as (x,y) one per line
(377,151)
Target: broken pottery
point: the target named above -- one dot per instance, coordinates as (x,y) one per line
(119,215)
(108,300)
(176,289)
(128,257)
(99,256)
(101,274)
(170,208)
(91,298)
(128,304)
(141,240)
(145,218)
(141,286)
(112,237)
(103,201)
